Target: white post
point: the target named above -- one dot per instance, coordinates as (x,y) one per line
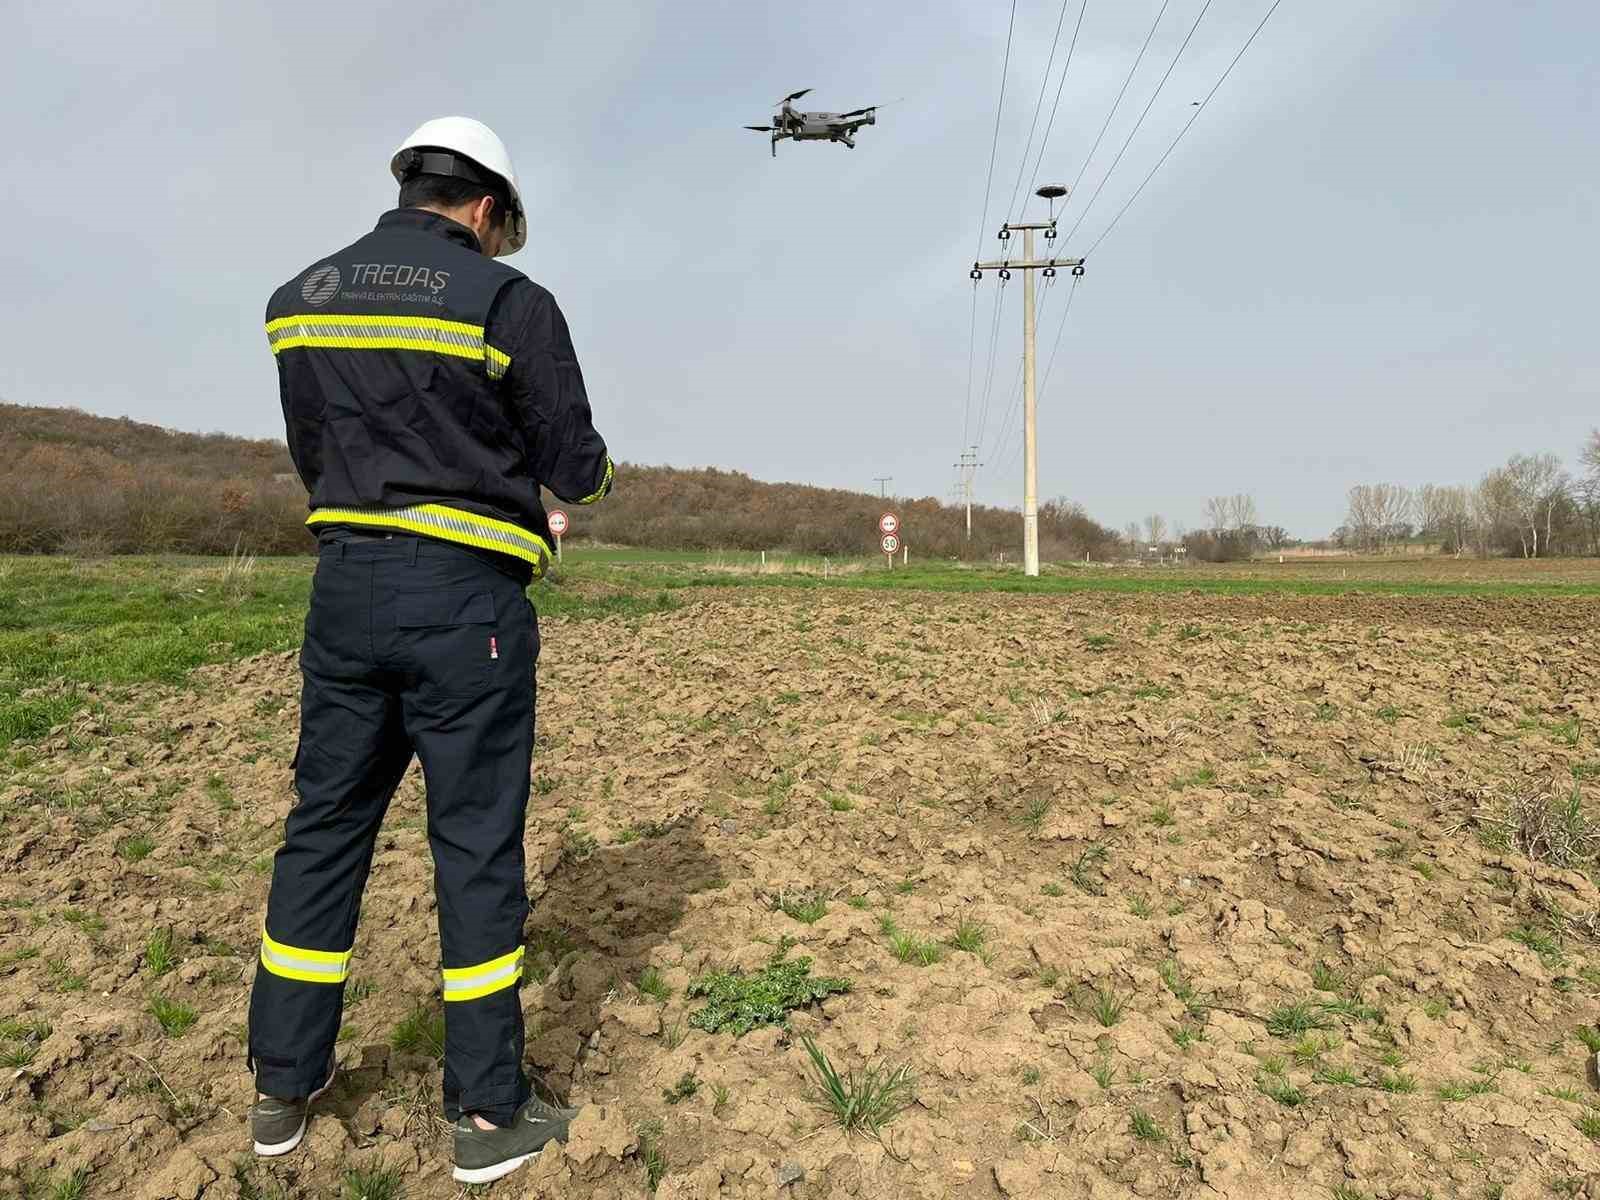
(558,547)
(763,558)
(1030,453)
(905,556)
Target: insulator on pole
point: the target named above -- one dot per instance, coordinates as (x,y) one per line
(975,273)
(1078,270)
(1004,274)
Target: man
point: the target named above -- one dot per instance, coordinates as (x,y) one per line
(428,391)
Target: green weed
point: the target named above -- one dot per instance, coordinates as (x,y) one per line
(862,1103)
(174,1016)
(421,1032)
(653,985)
(736,1003)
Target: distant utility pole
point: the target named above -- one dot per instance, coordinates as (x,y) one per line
(1027,264)
(968,464)
(882,481)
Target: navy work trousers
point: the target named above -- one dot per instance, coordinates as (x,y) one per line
(411,646)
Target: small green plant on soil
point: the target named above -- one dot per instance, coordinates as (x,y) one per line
(862,1103)
(1085,872)
(374,1182)
(1291,1020)
(68,1185)
(969,936)
(1030,1076)
(1099,641)
(1161,816)
(1589,1125)
(160,954)
(1144,1127)
(1185,1037)
(737,1003)
(1053,889)
(421,1031)
(837,802)
(1589,1036)
(651,1153)
(1107,1007)
(136,847)
(1340,1076)
(19,1041)
(1465,1089)
(358,990)
(1202,777)
(653,985)
(1281,1090)
(91,923)
(808,907)
(672,1035)
(1541,942)
(685,1088)
(909,948)
(1400,1083)
(174,1016)
(1034,813)
(63,977)
(1343,1192)
(720,1095)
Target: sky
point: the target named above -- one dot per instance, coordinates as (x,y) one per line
(1371,258)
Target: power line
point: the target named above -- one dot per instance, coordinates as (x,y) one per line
(1044,86)
(994,343)
(1056,104)
(972,348)
(1192,117)
(1044,384)
(1115,104)
(1128,141)
(995,144)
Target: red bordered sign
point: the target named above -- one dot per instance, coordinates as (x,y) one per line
(558,522)
(891,544)
(889,523)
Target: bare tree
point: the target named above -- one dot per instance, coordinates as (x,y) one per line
(1378,514)
(1155,528)
(1444,513)
(1241,512)
(1538,485)
(1217,515)
(1131,535)
(1495,511)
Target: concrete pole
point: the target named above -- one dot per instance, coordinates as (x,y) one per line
(1030,456)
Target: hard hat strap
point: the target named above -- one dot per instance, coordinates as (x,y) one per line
(442,162)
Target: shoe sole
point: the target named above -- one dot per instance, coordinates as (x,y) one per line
(489,1174)
(273,1149)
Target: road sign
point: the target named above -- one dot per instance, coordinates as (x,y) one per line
(891,544)
(558,522)
(889,523)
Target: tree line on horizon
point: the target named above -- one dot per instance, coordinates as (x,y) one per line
(76,483)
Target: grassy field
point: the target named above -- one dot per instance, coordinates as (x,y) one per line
(68,623)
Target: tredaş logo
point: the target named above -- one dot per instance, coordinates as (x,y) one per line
(320,285)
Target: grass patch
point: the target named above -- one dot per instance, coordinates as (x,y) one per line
(1107,1007)
(969,936)
(909,948)
(421,1031)
(160,952)
(653,985)
(1291,1020)
(651,1153)
(684,1089)
(373,1182)
(136,848)
(1144,1127)
(1465,1089)
(862,1103)
(737,1003)
(1085,871)
(174,1016)
(1281,1090)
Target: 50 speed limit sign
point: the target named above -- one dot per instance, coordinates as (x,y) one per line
(891,544)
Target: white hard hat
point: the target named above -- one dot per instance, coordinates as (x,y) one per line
(464,138)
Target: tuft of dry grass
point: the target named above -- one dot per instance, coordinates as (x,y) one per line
(1546,827)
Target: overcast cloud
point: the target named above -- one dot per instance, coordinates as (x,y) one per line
(1372,258)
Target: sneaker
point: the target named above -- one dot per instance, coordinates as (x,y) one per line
(278,1125)
(484,1155)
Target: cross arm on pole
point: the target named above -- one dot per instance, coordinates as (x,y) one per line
(1027,264)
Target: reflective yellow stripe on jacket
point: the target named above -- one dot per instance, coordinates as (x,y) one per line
(447,524)
(430,335)
(469,983)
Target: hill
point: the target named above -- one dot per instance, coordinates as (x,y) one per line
(84,484)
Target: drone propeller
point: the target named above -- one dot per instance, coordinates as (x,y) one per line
(760,128)
(859,112)
(794,96)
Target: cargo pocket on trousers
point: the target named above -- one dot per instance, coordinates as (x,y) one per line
(451,637)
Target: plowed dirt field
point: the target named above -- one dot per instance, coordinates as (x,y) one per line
(1180,896)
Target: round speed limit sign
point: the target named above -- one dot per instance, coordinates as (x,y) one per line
(888,523)
(891,544)
(558,522)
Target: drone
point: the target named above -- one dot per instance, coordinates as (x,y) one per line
(815,126)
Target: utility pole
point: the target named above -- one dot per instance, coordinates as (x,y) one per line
(1027,264)
(968,464)
(882,481)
